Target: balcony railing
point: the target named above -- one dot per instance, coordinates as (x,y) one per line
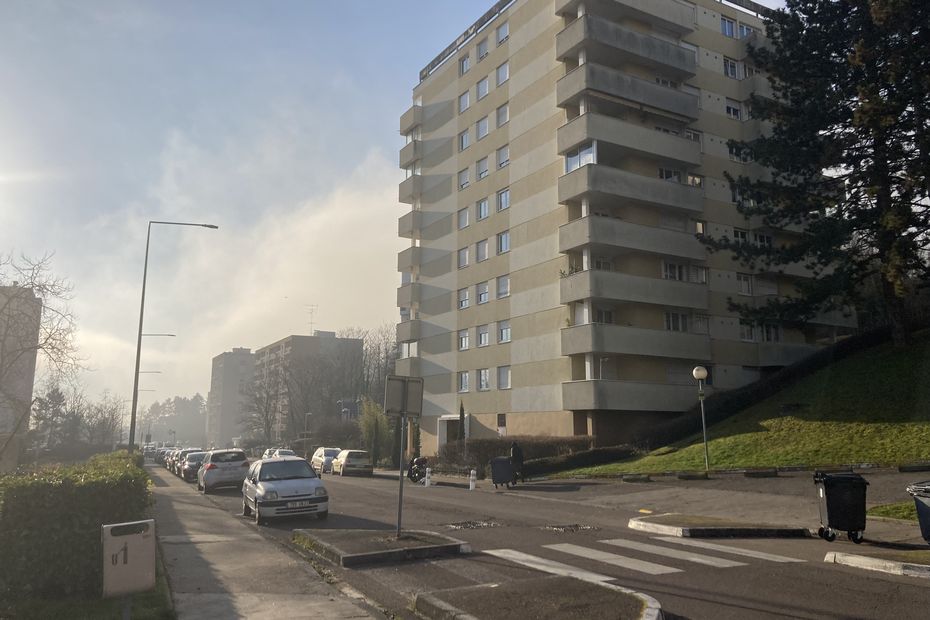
(593,284)
(606,180)
(409,224)
(670,15)
(630,137)
(602,394)
(624,340)
(411,152)
(612,232)
(410,188)
(411,118)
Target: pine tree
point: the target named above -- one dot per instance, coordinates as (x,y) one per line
(848,148)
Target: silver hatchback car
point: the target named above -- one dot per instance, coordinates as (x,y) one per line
(222,468)
(284,486)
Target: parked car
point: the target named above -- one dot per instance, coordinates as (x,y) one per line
(352,462)
(191,465)
(169,458)
(160,455)
(283,452)
(322,459)
(281,487)
(269,453)
(222,468)
(178,460)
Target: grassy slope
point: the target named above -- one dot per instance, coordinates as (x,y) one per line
(871,407)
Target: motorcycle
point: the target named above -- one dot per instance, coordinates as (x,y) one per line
(416,468)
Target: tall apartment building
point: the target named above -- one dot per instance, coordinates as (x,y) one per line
(20,320)
(287,363)
(559,165)
(227,402)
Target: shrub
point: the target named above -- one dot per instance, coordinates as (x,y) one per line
(586,458)
(50,523)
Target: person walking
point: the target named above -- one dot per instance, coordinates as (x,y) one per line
(516,460)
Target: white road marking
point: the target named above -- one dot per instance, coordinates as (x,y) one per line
(548,566)
(771,557)
(613,559)
(673,553)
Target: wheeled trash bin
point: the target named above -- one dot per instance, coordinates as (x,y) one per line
(920,491)
(501,471)
(842,505)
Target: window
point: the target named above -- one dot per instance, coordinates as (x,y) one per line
(503,331)
(503,286)
(503,242)
(501,420)
(741,236)
(749,71)
(727,27)
(481,128)
(740,154)
(763,240)
(481,209)
(463,340)
(673,271)
(693,135)
(603,316)
(771,333)
(733,109)
(463,102)
(482,48)
(746,332)
(463,381)
(699,227)
(464,140)
(697,274)
(582,156)
(503,156)
(503,73)
(484,379)
(463,257)
(463,298)
(503,199)
(464,65)
(481,292)
(503,32)
(503,114)
(484,335)
(676,322)
(503,383)
(662,81)
(481,250)
(700,324)
(463,218)
(729,68)
(602,263)
(463,178)
(745,30)
(482,88)
(744,283)
(667,174)
(481,168)
(696,180)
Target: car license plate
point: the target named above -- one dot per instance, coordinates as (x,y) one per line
(302,504)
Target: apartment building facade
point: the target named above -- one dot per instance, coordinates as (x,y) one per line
(561,159)
(228,400)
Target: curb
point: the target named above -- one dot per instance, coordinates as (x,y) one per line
(909,467)
(907,569)
(750,531)
(339,557)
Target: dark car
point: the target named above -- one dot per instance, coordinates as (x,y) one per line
(191,465)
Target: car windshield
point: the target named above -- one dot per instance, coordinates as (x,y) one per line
(285,453)
(286,470)
(331,452)
(196,456)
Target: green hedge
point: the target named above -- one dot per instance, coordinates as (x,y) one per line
(50,523)
(481,451)
(587,458)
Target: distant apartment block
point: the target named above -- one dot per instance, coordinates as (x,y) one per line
(227,402)
(20,316)
(560,159)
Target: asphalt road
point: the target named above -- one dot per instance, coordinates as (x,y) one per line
(558,523)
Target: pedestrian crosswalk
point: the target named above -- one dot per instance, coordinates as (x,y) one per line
(669,551)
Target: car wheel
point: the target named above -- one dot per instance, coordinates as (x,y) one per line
(199,488)
(246,511)
(342,472)
(322,515)
(206,490)
(257,516)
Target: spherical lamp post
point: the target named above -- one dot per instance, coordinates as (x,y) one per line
(700,373)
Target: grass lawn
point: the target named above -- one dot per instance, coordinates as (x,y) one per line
(870,407)
(902,510)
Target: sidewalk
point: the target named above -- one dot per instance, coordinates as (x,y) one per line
(220,567)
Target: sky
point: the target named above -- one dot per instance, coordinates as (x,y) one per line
(275,121)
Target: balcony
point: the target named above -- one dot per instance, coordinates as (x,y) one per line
(608,231)
(605,42)
(408,331)
(407,367)
(408,294)
(614,285)
(410,188)
(409,224)
(620,339)
(411,152)
(641,95)
(756,85)
(629,137)
(670,15)
(627,396)
(411,118)
(783,354)
(612,182)
(409,257)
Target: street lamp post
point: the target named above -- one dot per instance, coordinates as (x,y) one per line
(700,373)
(135,374)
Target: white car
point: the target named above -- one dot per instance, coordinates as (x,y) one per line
(283,452)
(281,487)
(352,462)
(322,459)
(222,468)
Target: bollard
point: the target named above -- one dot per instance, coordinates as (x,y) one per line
(472,476)
(427,479)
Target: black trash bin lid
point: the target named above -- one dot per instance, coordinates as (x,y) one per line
(846,477)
